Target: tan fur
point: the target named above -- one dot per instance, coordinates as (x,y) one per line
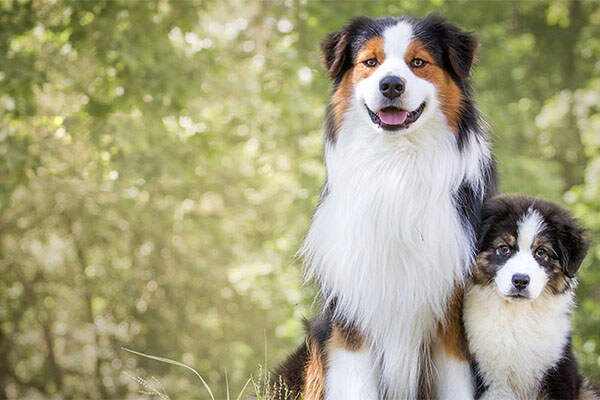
(314,383)
(339,99)
(341,338)
(373,48)
(450,331)
(449,94)
(510,239)
(348,339)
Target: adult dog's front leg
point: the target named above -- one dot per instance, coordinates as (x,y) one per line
(452,374)
(352,372)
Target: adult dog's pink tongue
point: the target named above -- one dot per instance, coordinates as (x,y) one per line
(393,116)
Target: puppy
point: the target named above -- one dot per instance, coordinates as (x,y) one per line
(517,310)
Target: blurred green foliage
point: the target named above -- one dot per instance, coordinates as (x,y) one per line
(160,160)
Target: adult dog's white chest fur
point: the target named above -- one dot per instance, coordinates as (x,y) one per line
(515,344)
(387,241)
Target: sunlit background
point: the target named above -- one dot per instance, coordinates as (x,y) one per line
(160,160)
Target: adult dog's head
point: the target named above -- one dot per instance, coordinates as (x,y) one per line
(398,73)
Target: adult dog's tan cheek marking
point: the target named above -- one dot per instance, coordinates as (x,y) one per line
(373,48)
(450,96)
(340,99)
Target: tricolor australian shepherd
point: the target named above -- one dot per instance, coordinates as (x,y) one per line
(517,309)
(392,238)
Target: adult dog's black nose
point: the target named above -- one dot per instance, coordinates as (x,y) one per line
(520,281)
(391,87)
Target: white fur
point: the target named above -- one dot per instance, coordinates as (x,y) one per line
(454,379)
(387,240)
(523,262)
(515,343)
(351,375)
(417,90)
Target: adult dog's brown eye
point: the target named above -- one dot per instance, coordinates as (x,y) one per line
(418,63)
(503,251)
(371,62)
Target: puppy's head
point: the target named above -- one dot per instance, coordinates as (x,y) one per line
(399,72)
(528,246)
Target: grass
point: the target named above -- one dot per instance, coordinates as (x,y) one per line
(262,384)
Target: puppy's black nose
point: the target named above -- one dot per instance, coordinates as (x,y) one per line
(391,86)
(520,281)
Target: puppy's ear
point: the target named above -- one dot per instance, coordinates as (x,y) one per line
(335,52)
(493,209)
(484,229)
(573,243)
(460,46)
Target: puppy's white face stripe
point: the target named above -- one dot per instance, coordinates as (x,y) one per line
(528,229)
(523,261)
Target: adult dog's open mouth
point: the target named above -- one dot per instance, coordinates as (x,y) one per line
(394,118)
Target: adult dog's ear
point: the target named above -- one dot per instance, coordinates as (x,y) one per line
(460,46)
(335,52)
(461,50)
(573,243)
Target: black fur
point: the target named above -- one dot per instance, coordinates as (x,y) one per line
(501,216)
(290,374)
(453,49)
(340,48)
(563,381)
(469,201)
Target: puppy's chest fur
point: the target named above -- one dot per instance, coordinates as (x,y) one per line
(515,344)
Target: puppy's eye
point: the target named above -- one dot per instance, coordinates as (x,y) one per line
(371,62)
(417,63)
(541,253)
(503,251)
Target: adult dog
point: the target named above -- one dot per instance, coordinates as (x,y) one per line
(393,235)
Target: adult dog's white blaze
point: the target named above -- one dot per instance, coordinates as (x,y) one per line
(396,41)
(374,243)
(523,262)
